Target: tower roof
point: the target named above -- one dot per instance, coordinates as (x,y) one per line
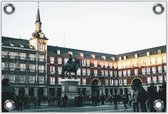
(38,16)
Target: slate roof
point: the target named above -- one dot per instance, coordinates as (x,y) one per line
(87,54)
(6,41)
(143,52)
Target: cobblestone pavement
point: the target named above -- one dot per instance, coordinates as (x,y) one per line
(100,108)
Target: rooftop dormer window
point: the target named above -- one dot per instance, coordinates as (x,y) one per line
(11,44)
(21,45)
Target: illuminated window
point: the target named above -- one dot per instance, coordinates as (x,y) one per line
(148,70)
(115,66)
(41,57)
(149,80)
(52,60)
(160,79)
(159,60)
(106,64)
(110,65)
(31,79)
(136,71)
(115,73)
(120,58)
(124,73)
(159,51)
(12,78)
(2,65)
(106,81)
(129,72)
(58,52)
(4,53)
(32,67)
(95,63)
(120,73)
(111,73)
(84,81)
(32,56)
(41,79)
(59,60)
(148,61)
(79,72)
(83,71)
(125,81)
(104,57)
(83,62)
(148,53)
(22,55)
(88,72)
(81,54)
(52,80)
(119,65)
(154,70)
(93,56)
(136,55)
(124,65)
(52,69)
(111,82)
(59,70)
(153,61)
(154,79)
(160,69)
(95,72)
(143,71)
(128,64)
(22,67)
(143,62)
(135,63)
(88,63)
(12,66)
(102,64)
(12,55)
(41,68)
(164,59)
(125,57)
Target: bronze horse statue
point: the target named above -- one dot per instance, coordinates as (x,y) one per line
(73,67)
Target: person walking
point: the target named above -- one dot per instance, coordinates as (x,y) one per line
(135,99)
(115,101)
(142,99)
(152,96)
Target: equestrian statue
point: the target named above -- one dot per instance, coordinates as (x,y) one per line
(70,66)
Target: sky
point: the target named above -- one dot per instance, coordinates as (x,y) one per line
(108,27)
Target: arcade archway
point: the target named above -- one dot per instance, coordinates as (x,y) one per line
(136,83)
(95,87)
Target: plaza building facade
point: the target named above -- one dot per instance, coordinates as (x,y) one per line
(34,67)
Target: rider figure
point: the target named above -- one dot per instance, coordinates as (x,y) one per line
(70,59)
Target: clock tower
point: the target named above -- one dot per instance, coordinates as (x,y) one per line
(38,39)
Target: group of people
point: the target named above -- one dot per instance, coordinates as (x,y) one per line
(141,99)
(145,99)
(62,101)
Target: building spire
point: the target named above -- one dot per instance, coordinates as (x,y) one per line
(38,14)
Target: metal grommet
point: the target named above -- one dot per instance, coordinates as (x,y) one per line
(9,105)
(158,105)
(9,8)
(158,9)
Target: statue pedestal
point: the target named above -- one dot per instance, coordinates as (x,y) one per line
(70,88)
